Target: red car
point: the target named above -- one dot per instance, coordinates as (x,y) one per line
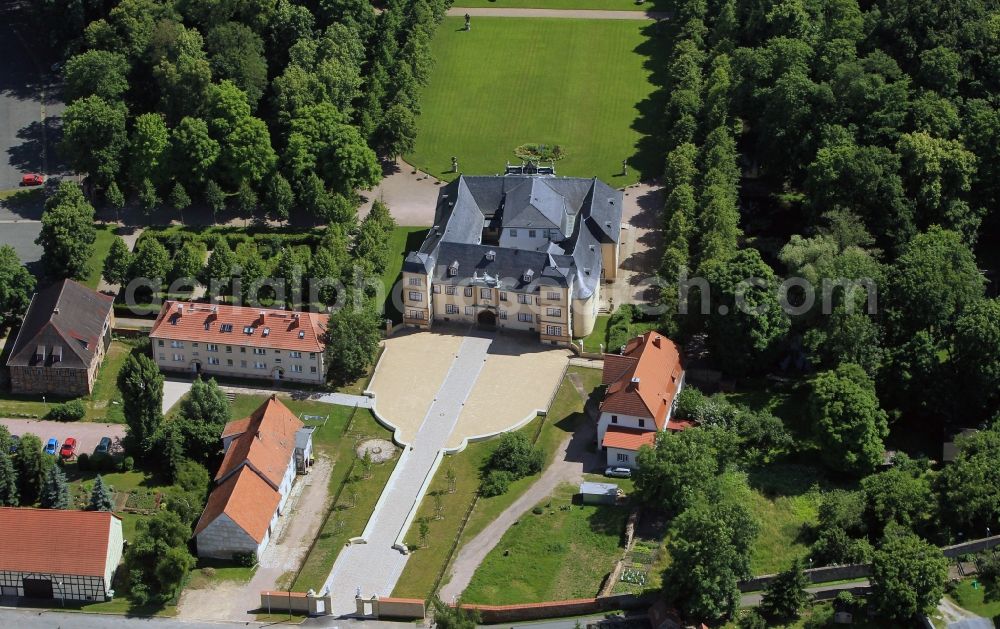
(68,448)
(32,179)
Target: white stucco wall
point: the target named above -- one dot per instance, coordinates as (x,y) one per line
(613,458)
(625,421)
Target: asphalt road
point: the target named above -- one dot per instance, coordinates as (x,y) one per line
(30,127)
(42,619)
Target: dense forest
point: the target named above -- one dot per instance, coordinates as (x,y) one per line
(262,105)
(827,139)
(852,143)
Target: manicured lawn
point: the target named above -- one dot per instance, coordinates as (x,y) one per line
(593,5)
(427,564)
(562,553)
(105,236)
(582,84)
(402,241)
(977,600)
(599,337)
(345,520)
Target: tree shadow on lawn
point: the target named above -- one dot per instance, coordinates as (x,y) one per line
(657,47)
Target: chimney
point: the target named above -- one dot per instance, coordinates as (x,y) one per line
(261,316)
(656,341)
(635,383)
(55,311)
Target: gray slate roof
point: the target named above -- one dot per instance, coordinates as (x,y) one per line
(586,211)
(67,315)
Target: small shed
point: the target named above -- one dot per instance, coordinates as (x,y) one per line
(303,448)
(599,493)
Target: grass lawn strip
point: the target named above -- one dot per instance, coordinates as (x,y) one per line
(590,5)
(561,553)
(105,236)
(427,563)
(576,83)
(977,600)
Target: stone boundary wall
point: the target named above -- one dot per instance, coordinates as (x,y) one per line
(815,575)
(492,614)
(971,546)
(860,571)
(300,602)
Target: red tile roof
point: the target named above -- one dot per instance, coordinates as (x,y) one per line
(628,438)
(248,501)
(642,381)
(678,425)
(54,540)
(267,442)
(186,321)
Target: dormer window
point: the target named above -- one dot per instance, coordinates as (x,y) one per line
(453,268)
(266,331)
(491,255)
(248,330)
(57,354)
(528,275)
(302,334)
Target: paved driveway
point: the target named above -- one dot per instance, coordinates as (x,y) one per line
(173,391)
(87,434)
(374,567)
(441,387)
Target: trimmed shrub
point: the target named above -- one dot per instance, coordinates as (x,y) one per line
(495,483)
(68,411)
(83,462)
(127,464)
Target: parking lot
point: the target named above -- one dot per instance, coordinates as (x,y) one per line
(87,434)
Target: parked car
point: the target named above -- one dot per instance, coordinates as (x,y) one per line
(32,179)
(52,446)
(618,472)
(68,448)
(14,441)
(104,447)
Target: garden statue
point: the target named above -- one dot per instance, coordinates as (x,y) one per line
(468,22)
(454,164)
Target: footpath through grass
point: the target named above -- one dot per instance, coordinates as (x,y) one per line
(427,564)
(558,550)
(582,84)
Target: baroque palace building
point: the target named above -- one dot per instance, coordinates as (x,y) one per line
(519,251)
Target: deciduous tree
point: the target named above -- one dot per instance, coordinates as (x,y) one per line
(908,577)
(68,233)
(850,424)
(16,286)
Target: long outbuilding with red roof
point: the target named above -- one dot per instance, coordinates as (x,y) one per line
(241,342)
(263,453)
(59,553)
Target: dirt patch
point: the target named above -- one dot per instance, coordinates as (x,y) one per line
(380,450)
